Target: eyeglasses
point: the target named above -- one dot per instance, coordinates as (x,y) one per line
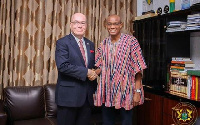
(78,23)
(114,24)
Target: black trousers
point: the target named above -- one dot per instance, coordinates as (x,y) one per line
(74,115)
(108,115)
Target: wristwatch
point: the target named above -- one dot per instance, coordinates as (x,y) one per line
(138,90)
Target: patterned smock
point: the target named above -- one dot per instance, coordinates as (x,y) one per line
(119,61)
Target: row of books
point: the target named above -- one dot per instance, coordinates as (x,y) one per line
(178,75)
(193,87)
(181,64)
(186,84)
(193,23)
(178,83)
(193,84)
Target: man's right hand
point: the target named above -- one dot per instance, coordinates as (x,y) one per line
(91,75)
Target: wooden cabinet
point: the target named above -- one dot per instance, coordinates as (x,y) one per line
(168,104)
(167,120)
(150,113)
(157,110)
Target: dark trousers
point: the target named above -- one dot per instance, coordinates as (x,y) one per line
(74,115)
(197,121)
(109,115)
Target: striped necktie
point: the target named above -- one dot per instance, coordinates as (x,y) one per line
(82,51)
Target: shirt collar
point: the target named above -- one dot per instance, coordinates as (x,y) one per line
(77,39)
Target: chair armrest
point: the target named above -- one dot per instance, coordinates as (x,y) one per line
(3,115)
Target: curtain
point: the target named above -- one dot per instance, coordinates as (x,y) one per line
(29,30)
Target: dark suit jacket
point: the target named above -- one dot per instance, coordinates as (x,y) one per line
(73,85)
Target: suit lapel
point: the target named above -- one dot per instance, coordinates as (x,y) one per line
(76,47)
(87,44)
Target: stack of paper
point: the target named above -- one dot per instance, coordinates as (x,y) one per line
(175,26)
(193,22)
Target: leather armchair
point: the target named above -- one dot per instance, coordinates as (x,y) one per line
(26,105)
(51,107)
(3,115)
(34,105)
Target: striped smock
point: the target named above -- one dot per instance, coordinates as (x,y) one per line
(119,61)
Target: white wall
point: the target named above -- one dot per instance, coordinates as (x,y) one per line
(142,5)
(195,48)
(139,7)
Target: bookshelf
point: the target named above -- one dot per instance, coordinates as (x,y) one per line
(158,48)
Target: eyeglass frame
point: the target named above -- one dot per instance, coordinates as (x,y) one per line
(83,23)
(114,24)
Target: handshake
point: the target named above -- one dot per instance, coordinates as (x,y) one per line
(92,74)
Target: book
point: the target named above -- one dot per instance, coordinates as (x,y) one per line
(193,87)
(177,67)
(182,62)
(181,59)
(174,30)
(198,88)
(179,82)
(193,18)
(194,15)
(189,85)
(194,28)
(196,94)
(193,21)
(174,25)
(193,72)
(186,64)
(178,64)
(193,24)
(176,22)
(192,65)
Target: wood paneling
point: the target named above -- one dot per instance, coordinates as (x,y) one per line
(157,110)
(168,104)
(150,113)
(167,119)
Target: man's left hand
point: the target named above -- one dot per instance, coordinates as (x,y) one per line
(136,97)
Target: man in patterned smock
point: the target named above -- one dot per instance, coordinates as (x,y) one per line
(119,63)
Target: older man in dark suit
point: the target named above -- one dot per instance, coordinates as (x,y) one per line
(75,86)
